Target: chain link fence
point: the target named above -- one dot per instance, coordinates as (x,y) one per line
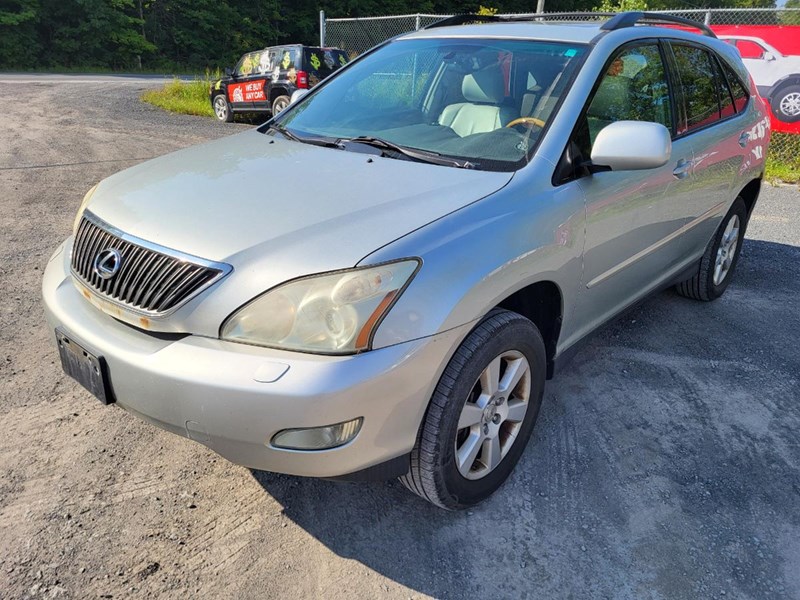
(356,35)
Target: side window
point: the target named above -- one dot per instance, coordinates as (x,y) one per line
(738,90)
(248,65)
(698,81)
(634,88)
(275,56)
(749,49)
(726,108)
(264,65)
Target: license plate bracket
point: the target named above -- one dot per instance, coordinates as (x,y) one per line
(85,367)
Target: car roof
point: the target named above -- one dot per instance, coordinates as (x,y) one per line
(750,38)
(296,46)
(579,32)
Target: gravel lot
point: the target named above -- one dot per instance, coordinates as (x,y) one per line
(665,464)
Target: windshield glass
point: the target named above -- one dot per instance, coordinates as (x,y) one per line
(483,100)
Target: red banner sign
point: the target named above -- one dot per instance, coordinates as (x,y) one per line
(247,91)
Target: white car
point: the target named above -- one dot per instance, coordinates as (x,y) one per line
(777,76)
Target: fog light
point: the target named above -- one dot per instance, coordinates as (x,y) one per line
(318,438)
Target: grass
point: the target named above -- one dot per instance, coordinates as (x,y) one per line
(783,162)
(184,97)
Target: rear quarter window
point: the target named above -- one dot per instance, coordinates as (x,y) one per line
(738,90)
(321,62)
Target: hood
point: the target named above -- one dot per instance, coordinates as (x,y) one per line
(250,196)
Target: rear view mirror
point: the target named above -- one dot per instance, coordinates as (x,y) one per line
(632,146)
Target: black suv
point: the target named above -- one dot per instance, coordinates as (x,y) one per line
(264,80)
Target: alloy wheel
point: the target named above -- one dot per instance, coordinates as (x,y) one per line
(492,415)
(727,250)
(220,108)
(790,104)
(280,106)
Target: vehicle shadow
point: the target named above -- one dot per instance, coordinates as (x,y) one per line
(648,445)
(381,525)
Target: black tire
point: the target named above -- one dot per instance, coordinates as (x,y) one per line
(222,109)
(702,286)
(280,103)
(786,104)
(434,474)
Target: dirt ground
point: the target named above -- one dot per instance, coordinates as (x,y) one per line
(665,464)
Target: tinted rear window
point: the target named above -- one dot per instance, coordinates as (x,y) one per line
(739,92)
(323,61)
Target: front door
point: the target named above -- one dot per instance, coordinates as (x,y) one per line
(247,90)
(632,217)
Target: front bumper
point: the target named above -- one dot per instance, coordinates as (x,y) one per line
(233,398)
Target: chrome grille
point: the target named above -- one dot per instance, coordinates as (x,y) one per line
(150,279)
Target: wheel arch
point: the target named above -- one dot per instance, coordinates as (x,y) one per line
(543,303)
(749,193)
(778,86)
(278,90)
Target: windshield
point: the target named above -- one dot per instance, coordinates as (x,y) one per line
(486,101)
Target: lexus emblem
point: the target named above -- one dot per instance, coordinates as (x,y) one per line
(107,263)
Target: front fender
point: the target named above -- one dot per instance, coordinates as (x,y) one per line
(479,255)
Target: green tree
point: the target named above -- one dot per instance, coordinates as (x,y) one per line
(102,33)
(19,42)
(790,17)
(621,5)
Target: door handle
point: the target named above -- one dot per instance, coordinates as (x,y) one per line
(744,138)
(682,168)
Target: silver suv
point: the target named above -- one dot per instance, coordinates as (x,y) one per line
(443,220)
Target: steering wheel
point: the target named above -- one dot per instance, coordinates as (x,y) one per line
(526,121)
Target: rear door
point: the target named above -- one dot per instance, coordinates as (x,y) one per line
(717,132)
(256,88)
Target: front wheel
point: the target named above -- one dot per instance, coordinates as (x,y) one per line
(482,413)
(222,109)
(787,104)
(281,102)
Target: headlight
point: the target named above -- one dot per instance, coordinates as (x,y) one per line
(82,207)
(334,313)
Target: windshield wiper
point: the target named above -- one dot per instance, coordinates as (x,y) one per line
(420,155)
(303,140)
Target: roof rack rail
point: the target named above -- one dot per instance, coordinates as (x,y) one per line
(464,19)
(615,20)
(631,18)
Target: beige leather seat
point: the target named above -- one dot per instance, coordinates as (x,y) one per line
(482,112)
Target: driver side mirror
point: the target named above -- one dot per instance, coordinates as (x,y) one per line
(631,146)
(769,56)
(228,72)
